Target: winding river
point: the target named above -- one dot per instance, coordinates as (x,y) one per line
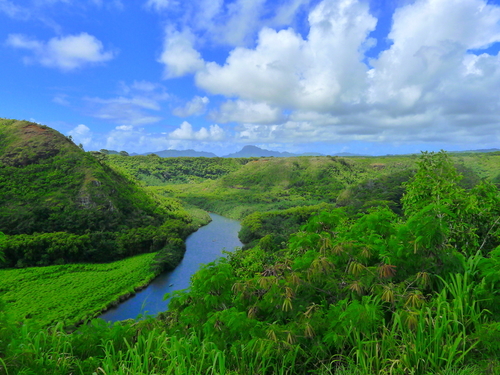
(203,246)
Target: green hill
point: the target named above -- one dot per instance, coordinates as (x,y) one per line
(49,184)
(54,192)
(268,184)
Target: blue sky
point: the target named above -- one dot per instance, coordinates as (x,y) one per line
(378,77)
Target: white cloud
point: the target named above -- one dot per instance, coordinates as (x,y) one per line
(233,23)
(242,19)
(427,53)
(82,134)
(285,70)
(186,132)
(133,139)
(426,84)
(138,105)
(66,53)
(179,56)
(197,106)
(247,112)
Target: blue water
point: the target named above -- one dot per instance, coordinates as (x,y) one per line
(203,246)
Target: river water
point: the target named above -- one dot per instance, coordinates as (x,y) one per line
(203,246)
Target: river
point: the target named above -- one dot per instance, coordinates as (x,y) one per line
(203,246)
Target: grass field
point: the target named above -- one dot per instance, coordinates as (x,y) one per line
(71,293)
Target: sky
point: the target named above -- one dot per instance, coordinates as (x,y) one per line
(366,77)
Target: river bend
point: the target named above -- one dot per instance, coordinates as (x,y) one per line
(203,246)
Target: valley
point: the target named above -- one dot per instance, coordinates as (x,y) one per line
(350,265)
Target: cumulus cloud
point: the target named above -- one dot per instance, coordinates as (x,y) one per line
(137,139)
(65,53)
(138,104)
(432,80)
(186,132)
(424,59)
(197,106)
(82,134)
(245,111)
(233,23)
(179,56)
(286,70)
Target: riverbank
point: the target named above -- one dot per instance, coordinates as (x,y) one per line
(205,245)
(74,293)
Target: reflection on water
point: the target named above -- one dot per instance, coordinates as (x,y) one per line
(203,246)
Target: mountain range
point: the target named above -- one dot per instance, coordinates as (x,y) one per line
(256,152)
(246,152)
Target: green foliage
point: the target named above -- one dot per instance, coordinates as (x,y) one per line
(62,188)
(271,184)
(2,257)
(352,291)
(379,290)
(43,249)
(274,227)
(156,171)
(71,293)
(59,204)
(239,187)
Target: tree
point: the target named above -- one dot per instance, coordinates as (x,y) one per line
(436,182)
(124,153)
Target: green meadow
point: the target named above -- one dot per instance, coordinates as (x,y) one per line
(71,293)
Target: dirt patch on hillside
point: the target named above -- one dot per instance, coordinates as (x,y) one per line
(32,143)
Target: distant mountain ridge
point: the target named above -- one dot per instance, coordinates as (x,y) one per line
(254,151)
(182,153)
(251,151)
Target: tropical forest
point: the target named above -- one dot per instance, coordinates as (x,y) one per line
(349,265)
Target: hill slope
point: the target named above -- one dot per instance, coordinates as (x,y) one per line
(59,204)
(49,184)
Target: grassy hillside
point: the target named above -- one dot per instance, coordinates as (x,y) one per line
(153,170)
(281,183)
(268,184)
(72,293)
(59,204)
(49,184)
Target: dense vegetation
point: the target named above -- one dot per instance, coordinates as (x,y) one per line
(43,249)
(73,293)
(281,183)
(270,184)
(350,292)
(51,185)
(156,171)
(352,266)
(59,204)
